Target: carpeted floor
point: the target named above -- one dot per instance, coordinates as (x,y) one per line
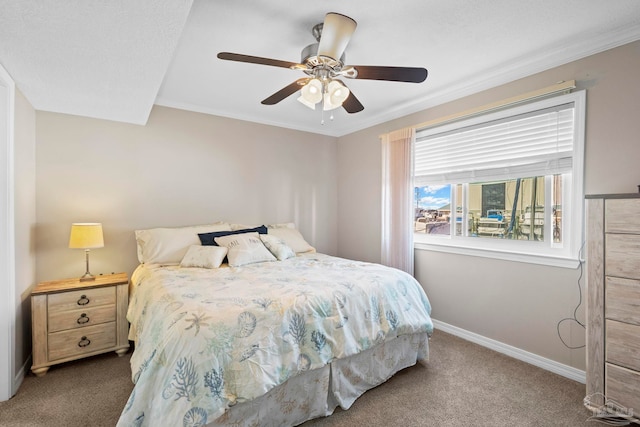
(462,385)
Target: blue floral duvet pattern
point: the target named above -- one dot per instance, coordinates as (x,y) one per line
(207,339)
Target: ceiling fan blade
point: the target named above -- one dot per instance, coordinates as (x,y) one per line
(394,74)
(285,92)
(259,60)
(336,32)
(352,104)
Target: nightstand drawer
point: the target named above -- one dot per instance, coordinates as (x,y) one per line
(63,320)
(623,386)
(81,299)
(76,342)
(623,344)
(622,300)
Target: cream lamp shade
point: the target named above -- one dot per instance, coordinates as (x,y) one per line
(86,235)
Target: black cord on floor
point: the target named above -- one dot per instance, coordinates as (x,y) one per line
(575,311)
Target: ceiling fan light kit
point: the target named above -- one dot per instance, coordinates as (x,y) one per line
(335,95)
(323,62)
(312,92)
(332,95)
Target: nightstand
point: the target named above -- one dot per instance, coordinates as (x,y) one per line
(73,319)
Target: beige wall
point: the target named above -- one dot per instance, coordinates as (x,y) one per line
(515,303)
(182,168)
(24,219)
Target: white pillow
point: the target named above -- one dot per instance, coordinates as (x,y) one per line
(277,247)
(169,245)
(204,256)
(292,238)
(282,225)
(245,248)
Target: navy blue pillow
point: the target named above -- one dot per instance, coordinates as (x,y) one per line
(208,239)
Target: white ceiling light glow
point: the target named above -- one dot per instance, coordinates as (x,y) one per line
(331,95)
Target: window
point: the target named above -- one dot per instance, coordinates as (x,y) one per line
(506,184)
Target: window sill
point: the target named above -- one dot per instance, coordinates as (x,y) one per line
(549,260)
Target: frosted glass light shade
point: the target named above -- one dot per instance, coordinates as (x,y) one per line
(312,91)
(86,235)
(336,94)
(307,103)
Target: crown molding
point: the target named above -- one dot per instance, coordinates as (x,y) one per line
(544,59)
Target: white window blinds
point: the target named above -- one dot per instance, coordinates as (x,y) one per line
(532,144)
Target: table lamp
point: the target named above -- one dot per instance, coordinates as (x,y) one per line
(86,235)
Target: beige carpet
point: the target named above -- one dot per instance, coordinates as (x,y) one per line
(462,385)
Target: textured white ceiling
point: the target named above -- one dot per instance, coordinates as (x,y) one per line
(114,59)
(103,59)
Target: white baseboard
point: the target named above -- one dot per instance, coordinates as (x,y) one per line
(17,380)
(515,352)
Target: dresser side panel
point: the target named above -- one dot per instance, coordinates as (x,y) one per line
(121,315)
(39,330)
(595,297)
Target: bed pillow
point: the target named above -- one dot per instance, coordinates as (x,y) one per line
(277,247)
(208,239)
(292,238)
(169,245)
(244,248)
(204,256)
(282,225)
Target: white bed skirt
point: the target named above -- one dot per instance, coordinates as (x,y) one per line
(319,392)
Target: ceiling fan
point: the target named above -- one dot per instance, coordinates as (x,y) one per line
(323,63)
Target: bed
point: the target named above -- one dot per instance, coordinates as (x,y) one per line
(264,343)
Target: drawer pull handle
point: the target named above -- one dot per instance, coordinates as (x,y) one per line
(83,319)
(83,300)
(84,341)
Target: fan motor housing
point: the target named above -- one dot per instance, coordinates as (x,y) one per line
(311,59)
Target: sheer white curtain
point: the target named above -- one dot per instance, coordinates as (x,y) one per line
(397,199)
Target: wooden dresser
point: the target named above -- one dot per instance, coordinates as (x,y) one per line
(613,302)
(73,319)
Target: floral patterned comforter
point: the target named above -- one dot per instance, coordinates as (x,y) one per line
(207,339)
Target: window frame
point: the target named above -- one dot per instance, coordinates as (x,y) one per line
(567,254)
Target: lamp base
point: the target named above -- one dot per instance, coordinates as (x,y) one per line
(87,277)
